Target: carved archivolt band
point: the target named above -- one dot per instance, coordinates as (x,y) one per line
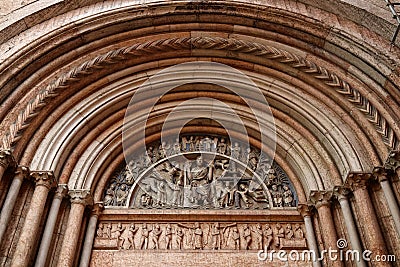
(217,43)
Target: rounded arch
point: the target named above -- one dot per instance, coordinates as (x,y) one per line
(310,63)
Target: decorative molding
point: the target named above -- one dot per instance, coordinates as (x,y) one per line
(240,46)
(82,197)
(44,178)
(321,198)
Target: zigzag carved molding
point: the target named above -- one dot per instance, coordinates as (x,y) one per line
(87,68)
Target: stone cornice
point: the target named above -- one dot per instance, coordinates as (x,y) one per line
(82,197)
(321,198)
(358,180)
(89,67)
(44,178)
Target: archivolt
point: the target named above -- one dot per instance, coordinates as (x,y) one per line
(381,124)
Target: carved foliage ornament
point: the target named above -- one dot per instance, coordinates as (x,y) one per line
(200,171)
(87,68)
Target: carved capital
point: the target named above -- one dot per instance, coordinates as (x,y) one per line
(82,197)
(22,172)
(358,180)
(341,192)
(380,174)
(98,208)
(6,158)
(44,178)
(393,161)
(61,191)
(305,210)
(321,198)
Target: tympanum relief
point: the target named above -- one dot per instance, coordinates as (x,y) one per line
(205,172)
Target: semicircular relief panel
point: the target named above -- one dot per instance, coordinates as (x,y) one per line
(200,172)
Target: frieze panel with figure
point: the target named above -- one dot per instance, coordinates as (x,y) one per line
(199,236)
(206,172)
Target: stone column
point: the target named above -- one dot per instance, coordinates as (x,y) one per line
(341,194)
(20,174)
(29,233)
(322,202)
(90,234)
(6,159)
(382,176)
(358,183)
(306,211)
(79,200)
(61,192)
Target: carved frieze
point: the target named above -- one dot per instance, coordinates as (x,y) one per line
(199,236)
(206,172)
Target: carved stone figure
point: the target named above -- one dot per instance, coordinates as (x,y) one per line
(236,237)
(161,194)
(252,159)
(131,236)
(279,234)
(168,236)
(198,236)
(121,195)
(235,151)
(258,233)
(222,147)
(144,238)
(201,173)
(177,193)
(268,235)
(215,237)
(118,235)
(207,144)
(176,149)
(110,196)
(155,236)
(100,230)
(276,196)
(247,236)
(108,231)
(227,195)
(179,237)
(287,197)
(289,234)
(298,232)
(146,200)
